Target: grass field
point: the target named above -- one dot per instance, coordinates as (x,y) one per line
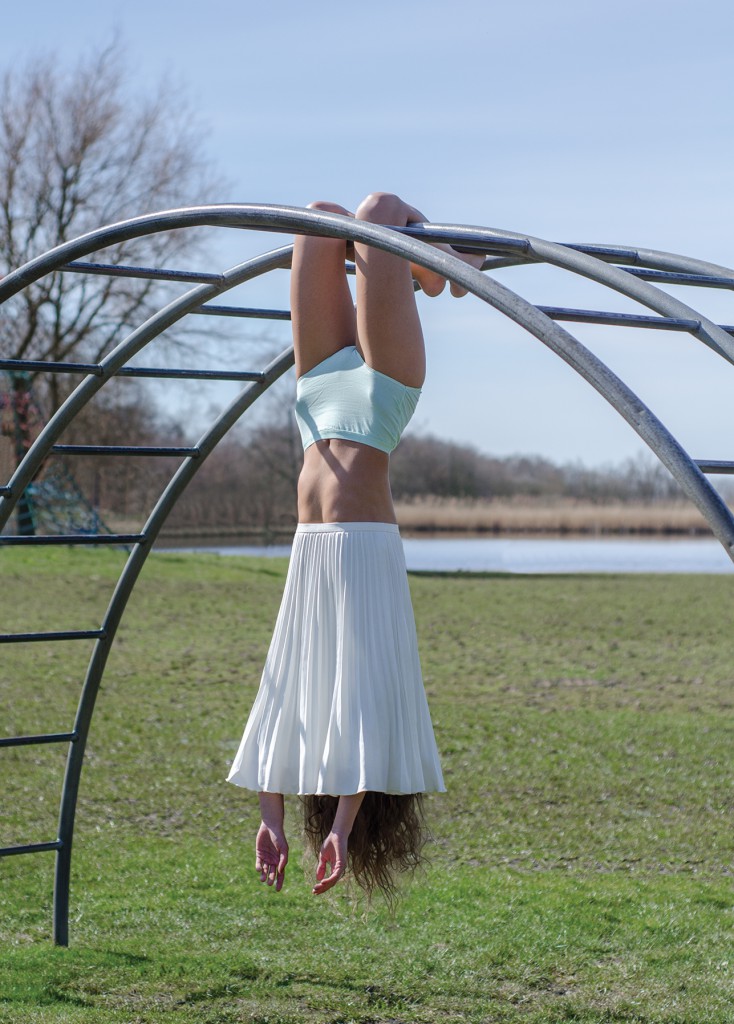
(581,869)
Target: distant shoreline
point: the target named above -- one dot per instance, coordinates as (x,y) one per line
(470,518)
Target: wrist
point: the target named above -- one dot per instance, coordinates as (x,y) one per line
(272,810)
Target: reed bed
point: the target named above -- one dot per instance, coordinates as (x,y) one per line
(544,516)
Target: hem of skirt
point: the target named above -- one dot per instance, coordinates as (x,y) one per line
(326,792)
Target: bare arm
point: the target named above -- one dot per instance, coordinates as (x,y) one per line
(334,848)
(271,848)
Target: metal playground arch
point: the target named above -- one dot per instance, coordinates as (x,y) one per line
(632,272)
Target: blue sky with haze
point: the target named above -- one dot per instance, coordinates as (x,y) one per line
(571,120)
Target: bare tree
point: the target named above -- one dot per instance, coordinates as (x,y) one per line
(77,151)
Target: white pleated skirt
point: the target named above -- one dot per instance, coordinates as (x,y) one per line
(341,706)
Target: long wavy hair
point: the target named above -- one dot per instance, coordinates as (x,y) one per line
(386,840)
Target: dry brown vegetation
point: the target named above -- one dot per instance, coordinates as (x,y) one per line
(548,516)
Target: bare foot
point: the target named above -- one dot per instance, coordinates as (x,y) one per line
(430,282)
(433,284)
(474,259)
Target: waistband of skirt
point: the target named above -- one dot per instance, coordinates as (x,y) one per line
(347,528)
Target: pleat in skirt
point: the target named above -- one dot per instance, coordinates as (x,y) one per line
(341,706)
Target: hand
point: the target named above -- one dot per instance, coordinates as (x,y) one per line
(271,855)
(333,853)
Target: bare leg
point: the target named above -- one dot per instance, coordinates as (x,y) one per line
(334,848)
(321,302)
(388,326)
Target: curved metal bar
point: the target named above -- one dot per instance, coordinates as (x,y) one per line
(399,243)
(596,269)
(112,619)
(116,359)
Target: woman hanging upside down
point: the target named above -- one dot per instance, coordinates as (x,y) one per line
(341,716)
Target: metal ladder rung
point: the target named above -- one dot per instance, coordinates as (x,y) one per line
(10,851)
(74,538)
(52,737)
(702,280)
(159,372)
(122,449)
(145,273)
(714,466)
(5,491)
(63,634)
(51,367)
(593,316)
(162,372)
(248,312)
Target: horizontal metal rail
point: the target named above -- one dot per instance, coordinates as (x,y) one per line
(670,277)
(713,466)
(51,737)
(146,273)
(14,540)
(10,851)
(143,450)
(610,253)
(647,266)
(252,313)
(30,365)
(593,316)
(123,449)
(163,372)
(289,220)
(63,634)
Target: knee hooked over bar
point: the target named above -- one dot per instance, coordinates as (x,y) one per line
(383,208)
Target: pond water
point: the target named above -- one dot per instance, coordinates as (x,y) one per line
(540,555)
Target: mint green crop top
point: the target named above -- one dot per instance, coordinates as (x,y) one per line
(344,397)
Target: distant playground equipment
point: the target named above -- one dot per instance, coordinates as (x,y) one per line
(54,502)
(63,516)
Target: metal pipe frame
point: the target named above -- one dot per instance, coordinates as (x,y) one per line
(410,243)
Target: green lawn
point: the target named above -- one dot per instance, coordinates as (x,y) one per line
(581,869)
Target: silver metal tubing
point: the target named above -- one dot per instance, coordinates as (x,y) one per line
(669,277)
(116,359)
(53,737)
(114,614)
(128,371)
(672,268)
(145,273)
(68,634)
(591,316)
(243,311)
(10,851)
(23,540)
(31,365)
(163,373)
(123,449)
(409,243)
(576,258)
(713,466)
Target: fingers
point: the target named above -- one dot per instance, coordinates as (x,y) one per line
(272,874)
(271,857)
(324,882)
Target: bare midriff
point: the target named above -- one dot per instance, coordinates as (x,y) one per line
(344,482)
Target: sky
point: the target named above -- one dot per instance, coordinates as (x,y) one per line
(571,121)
